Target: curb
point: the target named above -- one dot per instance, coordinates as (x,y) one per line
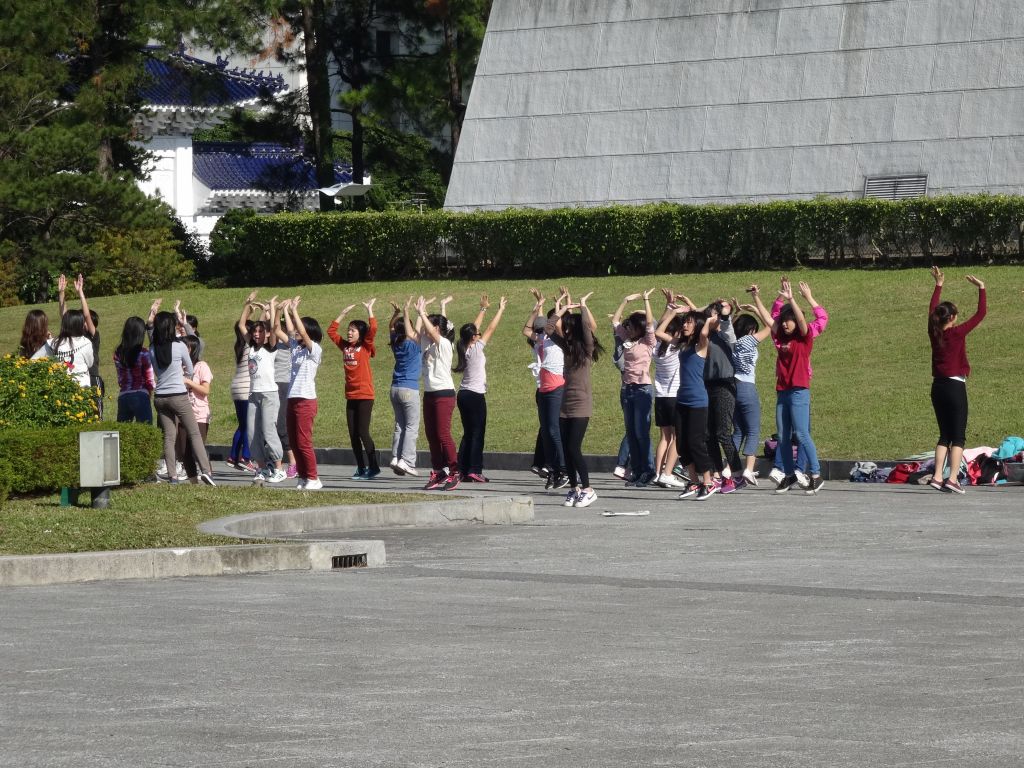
(489,510)
(38,570)
(66,568)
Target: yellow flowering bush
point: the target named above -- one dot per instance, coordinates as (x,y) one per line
(41,393)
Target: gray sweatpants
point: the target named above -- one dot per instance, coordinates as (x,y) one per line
(261,427)
(406,403)
(172,410)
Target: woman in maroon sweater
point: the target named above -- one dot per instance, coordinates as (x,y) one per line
(950,370)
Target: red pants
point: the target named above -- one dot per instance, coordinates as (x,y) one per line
(437,423)
(301,413)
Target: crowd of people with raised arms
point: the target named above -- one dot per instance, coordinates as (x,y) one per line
(702,394)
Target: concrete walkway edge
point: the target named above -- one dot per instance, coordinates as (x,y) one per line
(490,510)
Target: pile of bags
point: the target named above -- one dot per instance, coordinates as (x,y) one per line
(980,466)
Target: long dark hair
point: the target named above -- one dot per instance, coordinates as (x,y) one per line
(241,340)
(72,325)
(572,331)
(787,313)
(269,341)
(34,332)
(165,326)
(398,334)
(942,314)
(635,325)
(466,334)
(699,318)
(132,336)
(675,325)
(312,328)
(192,342)
(444,325)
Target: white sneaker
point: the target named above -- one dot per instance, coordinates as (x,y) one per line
(258,478)
(313,485)
(407,468)
(206,479)
(570,499)
(750,477)
(670,481)
(180,469)
(161,470)
(802,480)
(619,472)
(585,498)
(277,476)
(776,475)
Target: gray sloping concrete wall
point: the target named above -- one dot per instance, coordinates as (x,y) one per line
(586,102)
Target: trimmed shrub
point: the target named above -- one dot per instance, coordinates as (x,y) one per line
(6,480)
(45,460)
(40,393)
(648,239)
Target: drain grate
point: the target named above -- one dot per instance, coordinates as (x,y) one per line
(348,561)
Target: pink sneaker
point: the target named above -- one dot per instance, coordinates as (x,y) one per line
(292,471)
(475,477)
(727,486)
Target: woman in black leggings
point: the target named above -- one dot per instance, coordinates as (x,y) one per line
(574,334)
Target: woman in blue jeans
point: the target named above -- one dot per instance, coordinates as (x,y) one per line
(794,342)
(135,377)
(637,394)
(747,418)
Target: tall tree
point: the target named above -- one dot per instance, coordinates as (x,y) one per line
(69,96)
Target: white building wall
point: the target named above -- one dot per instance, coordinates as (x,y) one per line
(577,102)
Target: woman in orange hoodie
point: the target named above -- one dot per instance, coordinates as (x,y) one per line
(357,347)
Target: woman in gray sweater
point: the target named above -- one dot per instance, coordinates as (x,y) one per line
(171,364)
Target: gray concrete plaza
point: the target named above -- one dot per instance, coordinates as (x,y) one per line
(867,626)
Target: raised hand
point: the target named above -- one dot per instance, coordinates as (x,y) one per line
(346,310)
(753,290)
(975,281)
(395,307)
(937,274)
(805,290)
(747,308)
(62,283)
(537,295)
(485,302)
(786,289)
(583,299)
(79,284)
(667,294)
(633,297)
(251,297)
(502,303)
(647,294)
(369,305)
(155,306)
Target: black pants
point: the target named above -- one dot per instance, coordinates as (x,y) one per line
(691,437)
(949,399)
(358,414)
(721,410)
(572,431)
(473,413)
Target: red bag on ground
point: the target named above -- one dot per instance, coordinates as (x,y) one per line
(901,472)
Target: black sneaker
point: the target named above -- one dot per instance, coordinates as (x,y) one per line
(690,490)
(705,492)
(816,484)
(561,481)
(787,482)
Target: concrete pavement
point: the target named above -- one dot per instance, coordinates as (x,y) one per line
(866,626)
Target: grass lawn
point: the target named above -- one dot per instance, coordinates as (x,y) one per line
(151,516)
(872,371)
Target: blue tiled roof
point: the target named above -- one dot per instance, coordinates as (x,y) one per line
(182,80)
(266,167)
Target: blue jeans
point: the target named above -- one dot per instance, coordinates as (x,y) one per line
(637,400)
(549,405)
(793,418)
(623,458)
(746,419)
(135,406)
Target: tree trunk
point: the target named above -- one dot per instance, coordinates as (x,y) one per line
(455,105)
(319,96)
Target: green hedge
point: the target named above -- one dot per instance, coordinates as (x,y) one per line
(42,460)
(650,239)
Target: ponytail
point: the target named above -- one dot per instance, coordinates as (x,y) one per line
(942,314)
(466,334)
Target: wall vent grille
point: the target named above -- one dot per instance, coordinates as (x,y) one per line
(895,187)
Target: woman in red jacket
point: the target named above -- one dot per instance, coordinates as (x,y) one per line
(950,370)
(357,348)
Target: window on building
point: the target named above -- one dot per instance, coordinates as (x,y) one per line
(384,41)
(896,187)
